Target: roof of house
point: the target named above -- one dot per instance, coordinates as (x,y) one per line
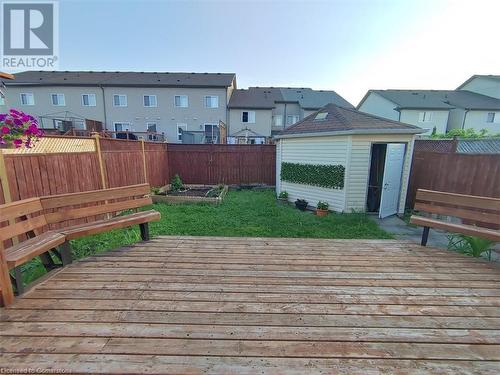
(140,79)
(267,97)
(488,76)
(340,120)
(437,99)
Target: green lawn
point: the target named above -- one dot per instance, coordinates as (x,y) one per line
(251,213)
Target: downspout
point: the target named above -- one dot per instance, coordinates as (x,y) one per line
(284,118)
(465,115)
(104,106)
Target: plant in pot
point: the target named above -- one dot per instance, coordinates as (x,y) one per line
(301,204)
(283,197)
(322,208)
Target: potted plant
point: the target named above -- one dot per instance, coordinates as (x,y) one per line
(283,197)
(322,208)
(301,204)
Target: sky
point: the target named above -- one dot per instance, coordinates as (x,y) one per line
(346,46)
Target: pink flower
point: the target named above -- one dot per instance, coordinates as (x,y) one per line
(5,130)
(17,142)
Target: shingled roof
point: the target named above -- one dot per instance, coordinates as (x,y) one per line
(437,99)
(343,121)
(138,79)
(267,97)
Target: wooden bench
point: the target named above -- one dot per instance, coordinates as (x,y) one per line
(68,216)
(480,215)
(100,211)
(26,220)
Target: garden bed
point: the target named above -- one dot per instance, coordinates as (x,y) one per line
(191,194)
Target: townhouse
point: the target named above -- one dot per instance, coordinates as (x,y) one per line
(166,103)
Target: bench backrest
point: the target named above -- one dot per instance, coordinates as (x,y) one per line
(480,211)
(20,218)
(90,205)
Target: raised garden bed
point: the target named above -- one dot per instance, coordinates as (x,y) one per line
(191,194)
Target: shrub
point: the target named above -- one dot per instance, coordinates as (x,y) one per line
(322,205)
(176,183)
(470,245)
(283,195)
(328,176)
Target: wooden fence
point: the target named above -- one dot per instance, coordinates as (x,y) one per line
(229,164)
(474,174)
(110,163)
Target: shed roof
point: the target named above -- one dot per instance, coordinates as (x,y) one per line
(340,121)
(140,79)
(267,97)
(438,99)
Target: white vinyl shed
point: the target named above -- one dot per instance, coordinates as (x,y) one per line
(375,154)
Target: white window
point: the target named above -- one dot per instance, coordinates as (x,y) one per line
(58,99)
(490,117)
(321,116)
(425,117)
(88,100)
(27,99)
(122,126)
(180,129)
(292,119)
(181,101)
(120,100)
(150,101)
(2,100)
(212,101)
(248,117)
(278,120)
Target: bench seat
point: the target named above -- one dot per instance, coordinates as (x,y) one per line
(469,230)
(27,250)
(105,225)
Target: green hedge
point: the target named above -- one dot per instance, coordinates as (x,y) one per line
(328,176)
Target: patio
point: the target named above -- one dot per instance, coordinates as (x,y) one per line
(218,305)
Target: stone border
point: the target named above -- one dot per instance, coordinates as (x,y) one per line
(175,199)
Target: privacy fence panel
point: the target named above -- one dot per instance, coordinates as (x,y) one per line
(229,164)
(474,174)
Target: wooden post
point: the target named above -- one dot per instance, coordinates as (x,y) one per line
(4,180)
(144,161)
(6,292)
(101,162)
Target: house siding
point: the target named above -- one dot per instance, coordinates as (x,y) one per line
(439,119)
(359,167)
(477,120)
(314,150)
(485,86)
(262,125)
(377,105)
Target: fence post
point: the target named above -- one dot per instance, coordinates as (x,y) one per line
(4,180)
(101,162)
(144,161)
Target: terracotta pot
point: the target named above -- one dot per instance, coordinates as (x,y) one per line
(320,212)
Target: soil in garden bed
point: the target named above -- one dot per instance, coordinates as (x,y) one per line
(190,193)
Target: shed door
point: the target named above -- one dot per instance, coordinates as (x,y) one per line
(391,184)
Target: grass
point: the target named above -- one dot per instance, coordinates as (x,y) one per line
(246,213)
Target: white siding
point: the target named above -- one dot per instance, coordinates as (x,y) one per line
(379,106)
(439,119)
(359,167)
(314,150)
(484,85)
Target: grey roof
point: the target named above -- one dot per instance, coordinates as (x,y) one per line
(139,79)
(343,120)
(438,99)
(479,146)
(267,97)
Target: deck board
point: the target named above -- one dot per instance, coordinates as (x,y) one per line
(215,305)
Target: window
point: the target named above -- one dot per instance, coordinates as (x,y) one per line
(58,99)
(321,116)
(292,119)
(120,100)
(248,117)
(151,127)
(122,126)
(278,120)
(27,99)
(212,101)
(150,101)
(88,100)
(425,117)
(181,101)
(490,117)
(181,128)
(2,100)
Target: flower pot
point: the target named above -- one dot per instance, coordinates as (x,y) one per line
(283,201)
(301,205)
(320,212)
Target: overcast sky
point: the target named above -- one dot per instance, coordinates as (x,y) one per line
(346,46)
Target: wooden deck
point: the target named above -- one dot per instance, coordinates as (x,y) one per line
(193,305)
